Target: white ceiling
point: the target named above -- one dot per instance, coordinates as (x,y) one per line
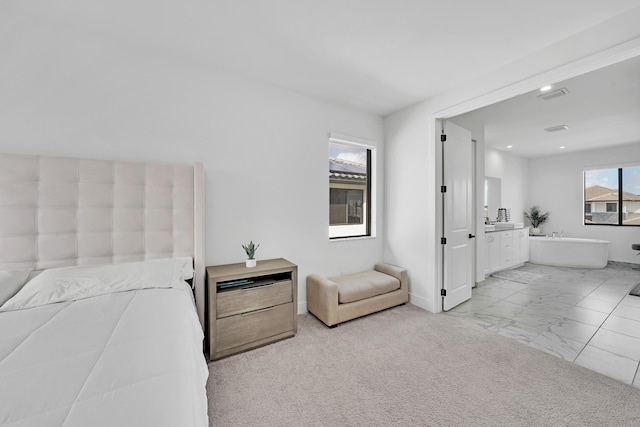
(373,55)
(601,110)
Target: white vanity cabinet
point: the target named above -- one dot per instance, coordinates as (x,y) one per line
(521,246)
(492,252)
(506,249)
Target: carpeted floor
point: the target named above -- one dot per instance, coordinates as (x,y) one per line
(408,367)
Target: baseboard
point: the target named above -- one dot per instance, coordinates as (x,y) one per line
(421,302)
(302,307)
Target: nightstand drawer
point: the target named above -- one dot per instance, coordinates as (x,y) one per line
(250,299)
(234,331)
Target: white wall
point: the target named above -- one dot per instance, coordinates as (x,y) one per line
(411,214)
(514,172)
(556,185)
(264,149)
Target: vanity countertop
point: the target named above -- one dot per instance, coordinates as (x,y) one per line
(503,227)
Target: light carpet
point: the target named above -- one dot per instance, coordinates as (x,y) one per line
(518,276)
(408,367)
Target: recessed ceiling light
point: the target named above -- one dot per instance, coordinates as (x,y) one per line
(551,94)
(557,128)
(562,147)
(509,146)
(545,88)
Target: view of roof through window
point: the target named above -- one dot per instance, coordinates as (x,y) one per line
(602,196)
(348,190)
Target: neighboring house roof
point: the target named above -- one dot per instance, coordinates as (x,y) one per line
(346,170)
(598,193)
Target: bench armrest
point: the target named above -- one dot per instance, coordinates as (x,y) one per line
(397,272)
(322,298)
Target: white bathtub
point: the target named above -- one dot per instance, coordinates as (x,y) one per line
(569,252)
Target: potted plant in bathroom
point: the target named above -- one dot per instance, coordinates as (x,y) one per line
(251,249)
(536,218)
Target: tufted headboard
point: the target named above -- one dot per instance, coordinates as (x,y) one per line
(57,212)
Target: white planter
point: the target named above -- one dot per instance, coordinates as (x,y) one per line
(535,231)
(251,263)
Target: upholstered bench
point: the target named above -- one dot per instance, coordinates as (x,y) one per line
(338,299)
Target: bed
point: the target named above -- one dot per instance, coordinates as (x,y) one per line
(101,293)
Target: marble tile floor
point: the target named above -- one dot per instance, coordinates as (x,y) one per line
(584,316)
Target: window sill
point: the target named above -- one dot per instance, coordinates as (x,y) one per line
(342,239)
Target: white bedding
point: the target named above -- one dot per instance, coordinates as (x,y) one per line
(129,358)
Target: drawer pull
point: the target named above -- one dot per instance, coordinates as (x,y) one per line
(257,311)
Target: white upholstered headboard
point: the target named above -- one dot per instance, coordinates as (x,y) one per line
(57,212)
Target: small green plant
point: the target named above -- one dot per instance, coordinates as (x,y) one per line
(535,217)
(251,249)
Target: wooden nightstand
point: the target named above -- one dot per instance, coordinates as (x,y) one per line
(250,307)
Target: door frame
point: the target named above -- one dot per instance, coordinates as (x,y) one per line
(610,56)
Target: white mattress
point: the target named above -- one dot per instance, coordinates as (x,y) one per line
(130,358)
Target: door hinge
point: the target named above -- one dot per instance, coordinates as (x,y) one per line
(443,240)
(443,188)
(443,292)
(443,138)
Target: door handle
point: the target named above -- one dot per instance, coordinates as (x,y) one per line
(471,236)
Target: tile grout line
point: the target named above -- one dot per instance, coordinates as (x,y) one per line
(633,380)
(600,326)
(603,322)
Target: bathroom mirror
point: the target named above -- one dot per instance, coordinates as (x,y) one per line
(492,197)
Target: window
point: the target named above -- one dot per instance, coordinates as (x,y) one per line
(350,183)
(605,190)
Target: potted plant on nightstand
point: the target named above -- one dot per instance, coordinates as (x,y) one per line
(251,249)
(536,219)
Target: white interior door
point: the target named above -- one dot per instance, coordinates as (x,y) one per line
(458,251)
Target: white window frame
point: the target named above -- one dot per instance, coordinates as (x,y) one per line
(354,232)
(602,167)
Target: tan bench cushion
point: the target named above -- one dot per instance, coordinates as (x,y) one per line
(359,286)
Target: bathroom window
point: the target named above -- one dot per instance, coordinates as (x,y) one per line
(350,188)
(612,196)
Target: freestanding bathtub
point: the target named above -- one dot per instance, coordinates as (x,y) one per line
(568,252)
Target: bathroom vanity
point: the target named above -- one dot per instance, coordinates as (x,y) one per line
(505,248)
